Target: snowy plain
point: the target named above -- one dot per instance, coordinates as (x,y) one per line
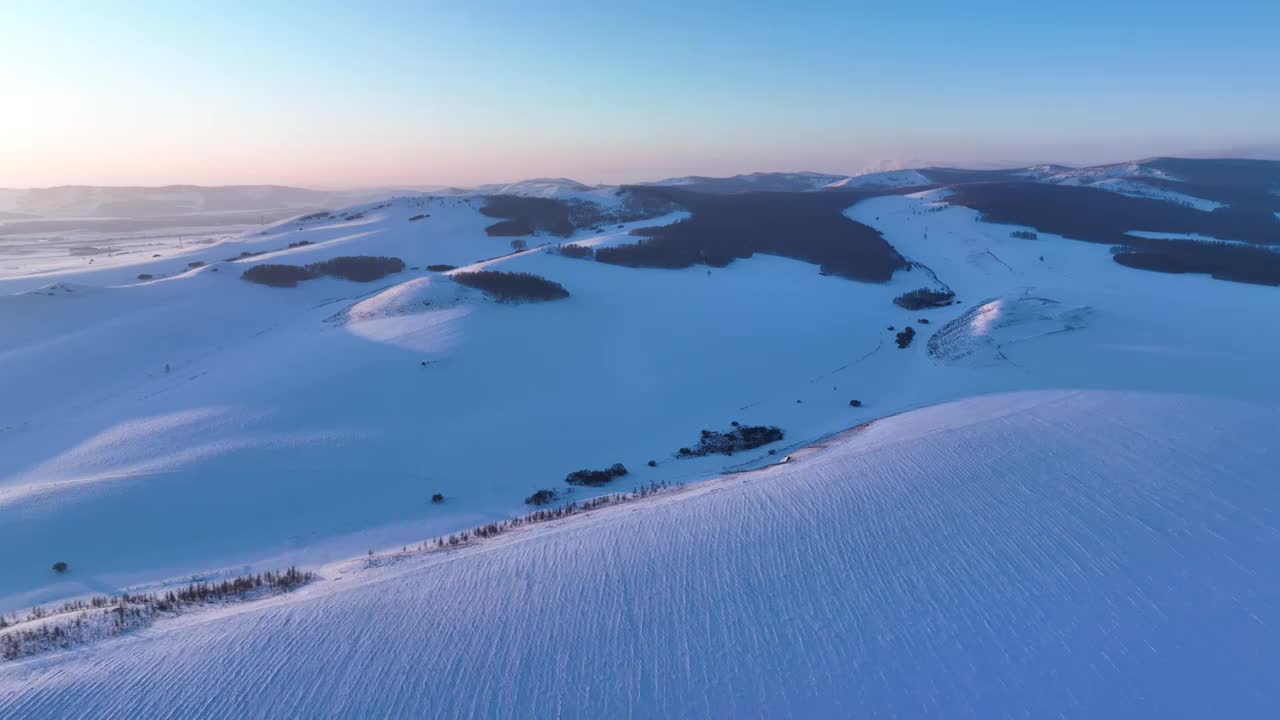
(1063,551)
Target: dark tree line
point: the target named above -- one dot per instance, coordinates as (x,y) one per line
(357,268)
(512,287)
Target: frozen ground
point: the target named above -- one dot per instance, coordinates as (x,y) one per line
(1050,554)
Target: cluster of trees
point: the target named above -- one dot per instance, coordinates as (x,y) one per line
(1023,235)
(582,252)
(739,438)
(596,478)
(129,610)
(527,216)
(513,287)
(804,226)
(542,497)
(357,268)
(541,515)
(922,298)
(1099,216)
(1224,261)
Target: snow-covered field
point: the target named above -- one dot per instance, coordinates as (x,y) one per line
(1049,554)
(1065,551)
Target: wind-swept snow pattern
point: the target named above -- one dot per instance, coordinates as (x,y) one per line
(1089,554)
(979,335)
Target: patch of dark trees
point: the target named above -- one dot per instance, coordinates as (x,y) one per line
(527,216)
(810,227)
(1223,261)
(1227,173)
(441,267)
(596,478)
(513,287)
(1099,216)
(735,440)
(416,218)
(582,252)
(542,497)
(1023,235)
(905,337)
(357,268)
(532,216)
(924,298)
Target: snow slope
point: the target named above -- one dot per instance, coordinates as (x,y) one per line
(318,420)
(1049,554)
(887,179)
(1134,188)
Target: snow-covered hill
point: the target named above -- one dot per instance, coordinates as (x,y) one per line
(1075,554)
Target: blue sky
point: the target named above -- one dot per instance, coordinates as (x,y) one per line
(347,94)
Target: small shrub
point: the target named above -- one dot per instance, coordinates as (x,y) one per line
(519,244)
(855,403)
(60,567)
(923,321)
(905,337)
(595,478)
(195,264)
(542,497)
(653,463)
(146,276)
(416,218)
(437,498)
(513,287)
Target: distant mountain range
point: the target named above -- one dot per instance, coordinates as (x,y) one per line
(1165,178)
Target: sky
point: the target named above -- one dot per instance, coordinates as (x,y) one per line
(373,94)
